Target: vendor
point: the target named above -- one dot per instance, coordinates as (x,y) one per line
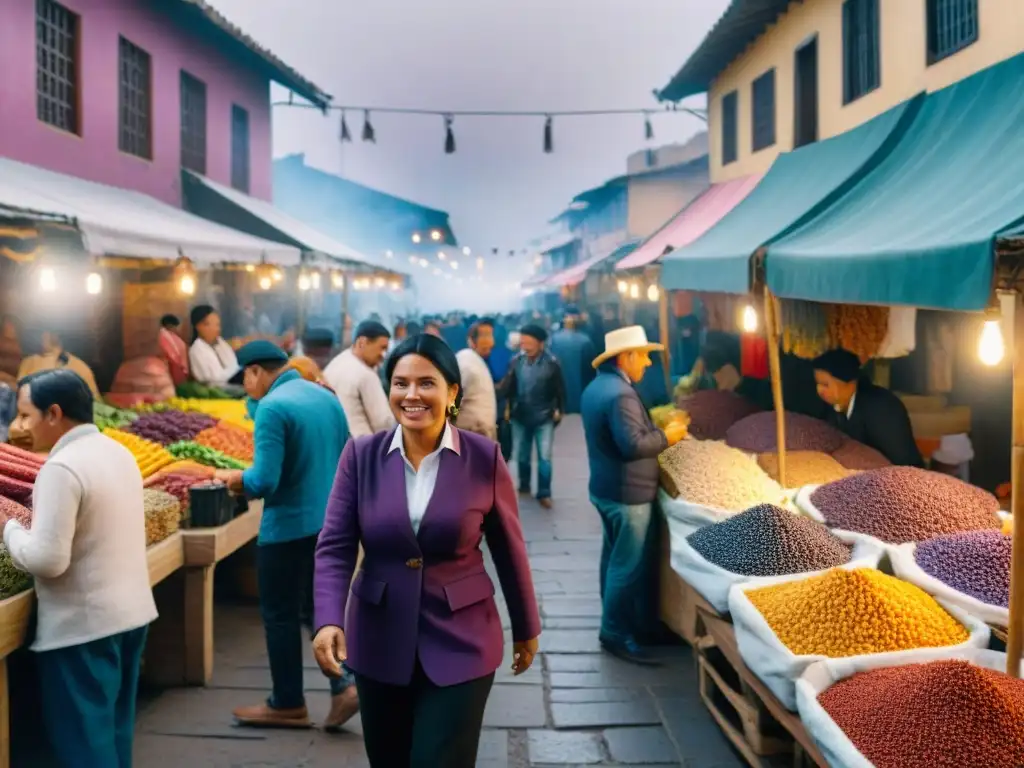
(211,358)
(173,349)
(869,414)
(53,356)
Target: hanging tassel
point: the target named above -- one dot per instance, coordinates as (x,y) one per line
(449,136)
(346,135)
(648,128)
(549,140)
(368,133)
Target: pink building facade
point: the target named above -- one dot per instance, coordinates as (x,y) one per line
(178,36)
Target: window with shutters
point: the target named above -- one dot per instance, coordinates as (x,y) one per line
(193,123)
(861,51)
(239,149)
(57,66)
(952,26)
(729,148)
(763,111)
(135,101)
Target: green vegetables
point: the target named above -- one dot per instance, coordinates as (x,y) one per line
(201,454)
(108,417)
(193,389)
(12,581)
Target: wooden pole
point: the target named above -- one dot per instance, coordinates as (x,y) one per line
(1015,641)
(773,333)
(665,334)
(346,287)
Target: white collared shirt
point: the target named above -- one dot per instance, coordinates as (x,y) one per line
(212,364)
(849,408)
(419,486)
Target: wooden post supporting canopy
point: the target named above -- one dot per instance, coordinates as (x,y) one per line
(1015,641)
(773,333)
(666,338)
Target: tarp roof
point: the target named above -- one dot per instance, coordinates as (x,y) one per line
(121,222)
(578,272)
(798,186)
(699,215)
(920,229)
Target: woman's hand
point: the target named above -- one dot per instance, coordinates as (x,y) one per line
(330,650)
(522,655)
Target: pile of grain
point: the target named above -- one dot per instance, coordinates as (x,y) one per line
(976,564)
(852,612)
(769,541)
(854,455)
(712,474)
(713,411)
(944,713)
(757,434)
(903,504)
(163,515)
(804,468)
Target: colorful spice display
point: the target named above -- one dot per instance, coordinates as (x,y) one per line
(18,471)
(168,427)
(903,504)
(228,439)
(858,328)
(854,455)
(769,541)
(713,411)
(202,454)
(230,411)
(943,713)
(163,515)
(805,328)
(976,564)
(12,581)
(711,473)
(15,511)
(148,455)
(852,612)
(108,417)
(178,485)
(804,468)
(757,434)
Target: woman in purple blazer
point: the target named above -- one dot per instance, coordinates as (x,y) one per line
(421,630)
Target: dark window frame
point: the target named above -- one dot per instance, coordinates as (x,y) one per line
(811,133)
(730,127)
(960,32)
(241,156)
(134,100)
(58,67)
(763,120)
(862,49)
(193,110)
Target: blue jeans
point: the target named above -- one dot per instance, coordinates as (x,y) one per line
(525,438)
(625,555)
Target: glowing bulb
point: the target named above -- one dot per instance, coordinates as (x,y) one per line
(435,235)
(47,280)
(94,283)
(314,281)
(304,282)
(466,251)
(277,275)
(623,286)
(749,319)
(338,280)
(416,237)
(423,263)
(537,261)
(991,347)
(652,293)
(187,285)
(634,291)
(389,254)
(454,265)
(441,256)
(395,285)
(479,262)
(250,267)
(266,283)
(379,282)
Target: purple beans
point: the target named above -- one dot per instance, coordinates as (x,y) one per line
(713,411)
(903,504)
(167,427)
(756,434)
(976,564)
(854,455)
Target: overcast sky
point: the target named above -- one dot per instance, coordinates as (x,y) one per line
(541,55)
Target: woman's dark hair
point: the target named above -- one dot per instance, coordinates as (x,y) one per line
(170,321)
(433,349)
(63,387)
(198,314)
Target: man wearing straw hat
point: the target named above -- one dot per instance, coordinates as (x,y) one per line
(622,447)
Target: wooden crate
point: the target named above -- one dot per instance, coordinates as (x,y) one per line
(679,602)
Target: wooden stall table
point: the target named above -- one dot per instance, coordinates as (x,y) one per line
(678,601)
(182,638)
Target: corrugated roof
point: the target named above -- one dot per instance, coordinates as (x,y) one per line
(741,24)
(204,13)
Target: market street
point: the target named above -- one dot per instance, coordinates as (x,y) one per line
(576,706)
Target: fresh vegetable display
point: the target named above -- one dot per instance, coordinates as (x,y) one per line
(15,511)
(713,474)
(769,541)
(163,515)
(942,713)
(903,504)
(231,411)
(149,456)
(976,564)
(108,417)
(202,454)
(757,434)
(170,426)
(197,391)
(181,467)
(852,612)
(228,439)
(12,581)
(713,411)
(804,468)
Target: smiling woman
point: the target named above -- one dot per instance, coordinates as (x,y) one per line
(426,388)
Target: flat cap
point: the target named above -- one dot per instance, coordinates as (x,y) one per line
(534,331)
(260,351)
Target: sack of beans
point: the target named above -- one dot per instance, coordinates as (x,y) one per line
(713,411)
(969,570)
(785,624)
(933,707)
(761,543)
(758,434)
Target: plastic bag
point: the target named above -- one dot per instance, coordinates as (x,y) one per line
(778,667)
(905,567)
(835,747)
(714,582)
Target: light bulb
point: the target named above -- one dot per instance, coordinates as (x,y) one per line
(250,267)
(266,283)
(304,283)
(749,319)
(338,280)
(634,291)
(652,293)
(479,262)
(441,256)
(991,347)
(623,286)
(379,282)
(454,265)
(395,285)
(435,235)
(47,280)
(94,283)
(466,251)
(424,263)
(416,237)
(187,285)
(389,254)
(277,275)
(314,281)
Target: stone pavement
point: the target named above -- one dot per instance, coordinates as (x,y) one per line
(575,707)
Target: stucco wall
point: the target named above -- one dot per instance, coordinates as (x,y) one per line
(94,155)
(652,202)
(904,70)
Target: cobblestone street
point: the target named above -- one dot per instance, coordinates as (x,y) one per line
(575,707)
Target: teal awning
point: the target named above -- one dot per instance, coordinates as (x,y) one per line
(920,229)
(799,185)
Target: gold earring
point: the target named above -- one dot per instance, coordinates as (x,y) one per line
(453,410)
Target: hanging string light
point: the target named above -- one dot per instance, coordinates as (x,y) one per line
(185,275)
(346,135)
(549,139)
(449,136)
(368,133)
(47,280)
(94,283)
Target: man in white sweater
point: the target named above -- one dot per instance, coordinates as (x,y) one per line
(353,377)
(87,552)
(479,410)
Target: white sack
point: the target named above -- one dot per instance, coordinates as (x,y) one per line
(835,747)
(805,505)
(778,667)
(684,517)
(901,336)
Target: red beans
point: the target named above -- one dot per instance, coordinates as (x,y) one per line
(757,434)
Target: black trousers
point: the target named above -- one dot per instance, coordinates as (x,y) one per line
(422,725)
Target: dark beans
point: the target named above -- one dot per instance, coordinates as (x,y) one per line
(756,434)
(713,411)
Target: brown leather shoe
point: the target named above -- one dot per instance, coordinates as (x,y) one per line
(544,503)
(265,716)
(344,707)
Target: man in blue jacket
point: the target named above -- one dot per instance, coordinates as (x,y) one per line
(622,447)
(299,435)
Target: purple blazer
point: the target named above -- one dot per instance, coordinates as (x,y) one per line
(424,595)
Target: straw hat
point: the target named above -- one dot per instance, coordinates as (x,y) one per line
(632,338)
